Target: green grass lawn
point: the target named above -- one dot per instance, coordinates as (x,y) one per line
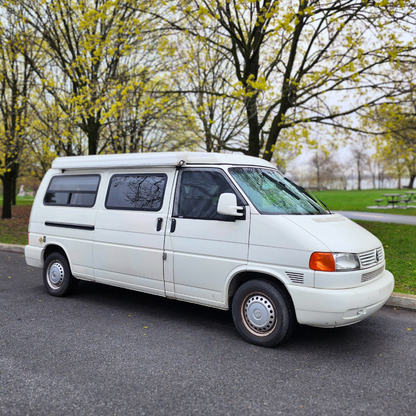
(21,200)
(14,231)
(360,200)
(399,240)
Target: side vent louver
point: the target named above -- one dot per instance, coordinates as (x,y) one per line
(295,277)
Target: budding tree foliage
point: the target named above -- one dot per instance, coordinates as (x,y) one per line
(395,139)
(102,71)
(16,89)
(393,125)
(299,62)
(205,81)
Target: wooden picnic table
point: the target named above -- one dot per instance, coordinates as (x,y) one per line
(392,199)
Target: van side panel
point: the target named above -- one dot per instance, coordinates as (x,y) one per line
(205,253)
(128,246)
(76,243)
(69,227)
(128,250)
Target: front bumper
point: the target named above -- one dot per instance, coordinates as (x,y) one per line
(328,308)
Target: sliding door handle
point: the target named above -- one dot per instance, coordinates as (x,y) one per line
(173,225)
(159,224)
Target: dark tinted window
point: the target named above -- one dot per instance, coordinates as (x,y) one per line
(198,194)
(73,190)
(139,192)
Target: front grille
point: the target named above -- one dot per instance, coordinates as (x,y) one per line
(295,277)
(371,258)
(372,275)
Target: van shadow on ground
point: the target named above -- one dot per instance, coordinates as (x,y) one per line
(220,323)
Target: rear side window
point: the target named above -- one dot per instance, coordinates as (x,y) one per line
(72,190)
(142,192)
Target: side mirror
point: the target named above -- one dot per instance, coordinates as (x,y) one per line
(227,205)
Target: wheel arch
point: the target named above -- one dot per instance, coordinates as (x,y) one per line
(244,276)
(54,248)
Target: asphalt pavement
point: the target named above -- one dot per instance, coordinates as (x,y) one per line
(110,351)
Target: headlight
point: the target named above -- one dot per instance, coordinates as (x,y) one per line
(346,261)
(331,262)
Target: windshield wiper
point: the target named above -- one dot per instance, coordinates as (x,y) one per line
(281,185)
(309,195)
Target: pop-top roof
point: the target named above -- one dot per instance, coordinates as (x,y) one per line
(137,160)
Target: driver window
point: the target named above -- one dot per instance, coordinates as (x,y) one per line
(198,195)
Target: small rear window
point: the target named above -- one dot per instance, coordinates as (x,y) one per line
(72,190)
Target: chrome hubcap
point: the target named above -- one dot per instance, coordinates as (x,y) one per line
(55,274)
(259,314)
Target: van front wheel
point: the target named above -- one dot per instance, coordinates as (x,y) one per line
(57,276)
(262,314)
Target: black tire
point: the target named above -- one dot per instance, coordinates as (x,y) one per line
(262,313)
(57,276)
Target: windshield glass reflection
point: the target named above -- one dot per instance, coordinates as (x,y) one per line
(272,193)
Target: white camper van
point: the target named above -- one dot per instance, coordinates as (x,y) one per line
(225,231)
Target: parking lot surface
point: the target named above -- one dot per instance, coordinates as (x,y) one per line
(109,351)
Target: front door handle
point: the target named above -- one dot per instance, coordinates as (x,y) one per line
(173,225)
(159,224)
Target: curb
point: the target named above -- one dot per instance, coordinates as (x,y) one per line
(12,247)
(402,300)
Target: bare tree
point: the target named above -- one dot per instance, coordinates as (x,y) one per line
(220,121)
(321,162)
(360,160)
(343,173)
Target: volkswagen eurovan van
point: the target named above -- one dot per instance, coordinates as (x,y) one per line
(225,231)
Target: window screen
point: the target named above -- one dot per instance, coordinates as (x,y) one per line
(73,190)
(137,192)
(198,195)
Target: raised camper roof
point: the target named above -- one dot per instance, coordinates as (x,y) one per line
(133,160)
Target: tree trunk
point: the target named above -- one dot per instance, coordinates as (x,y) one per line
(93,133)
(7,179)
(14,192)
(275,129)
(318,177)
(411,181)
(373,177)
(254,129)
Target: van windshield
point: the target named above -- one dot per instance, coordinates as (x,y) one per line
(272,193)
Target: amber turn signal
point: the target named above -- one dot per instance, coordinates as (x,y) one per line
(323,262)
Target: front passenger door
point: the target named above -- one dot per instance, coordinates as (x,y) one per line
(206,246)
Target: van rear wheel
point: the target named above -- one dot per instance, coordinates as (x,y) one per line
(262,313)
(57,276)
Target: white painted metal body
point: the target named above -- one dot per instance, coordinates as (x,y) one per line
(198,260)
